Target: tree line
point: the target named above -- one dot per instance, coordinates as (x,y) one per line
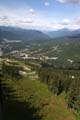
(59,81)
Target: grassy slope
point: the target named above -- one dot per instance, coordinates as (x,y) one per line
(38,95)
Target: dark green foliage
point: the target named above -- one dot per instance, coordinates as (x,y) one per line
(27,99)
(11,71)
(12,108)
(74,95)
(63,80)
(56,80)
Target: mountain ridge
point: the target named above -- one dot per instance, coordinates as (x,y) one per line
(13,33)
(63,33)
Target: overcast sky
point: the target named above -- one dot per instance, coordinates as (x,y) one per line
(40,14)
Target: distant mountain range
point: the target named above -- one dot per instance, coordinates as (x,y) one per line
(63,33)
(13,33)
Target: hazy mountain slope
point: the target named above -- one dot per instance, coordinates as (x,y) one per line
(63,33)
(12,33)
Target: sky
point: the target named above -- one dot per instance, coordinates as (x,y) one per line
(40,14)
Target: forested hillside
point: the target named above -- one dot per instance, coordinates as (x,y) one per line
(60,81)
(24,96)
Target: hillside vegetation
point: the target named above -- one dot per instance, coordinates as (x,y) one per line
(26,97)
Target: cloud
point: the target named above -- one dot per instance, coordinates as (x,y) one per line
(77,21)
(37,21)
(32,11)
(47,4)
(3,17)
(65,21)
(4,20)
(26,21)
(69,1)
(17,19)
